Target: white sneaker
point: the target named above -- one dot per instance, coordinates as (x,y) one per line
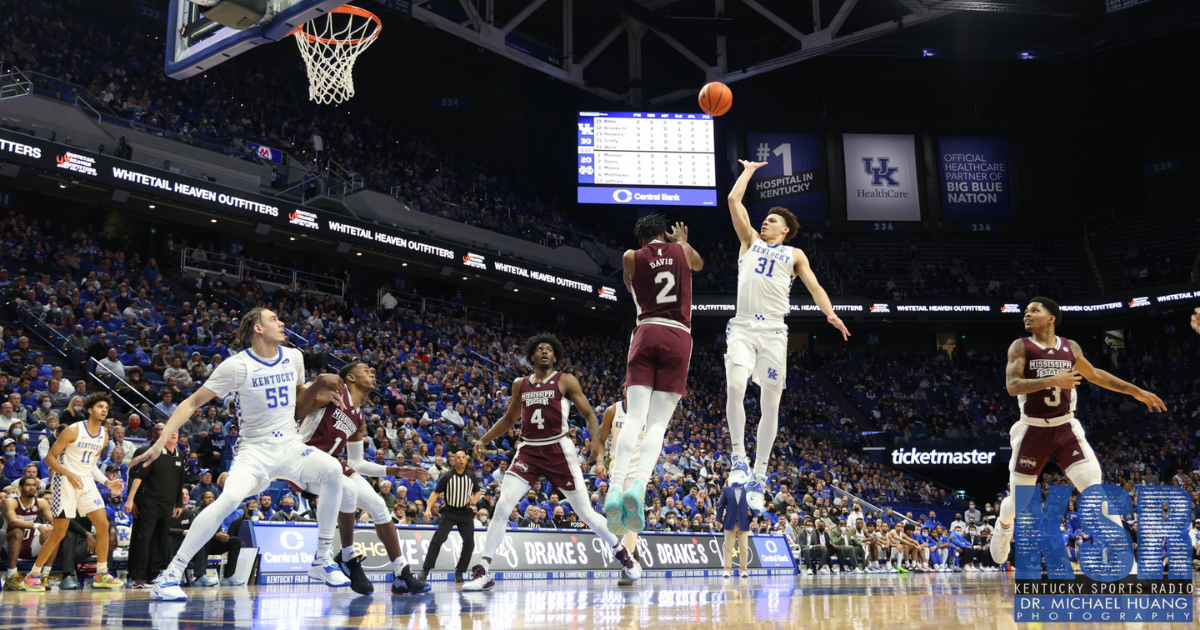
(754,494)
(481,580)
(823,571)
(808,572)
(1001,537)
(739,471)
(166,588)
(857,570)
(727,575)
(327,571)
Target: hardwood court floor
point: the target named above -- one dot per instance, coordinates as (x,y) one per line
(867,602)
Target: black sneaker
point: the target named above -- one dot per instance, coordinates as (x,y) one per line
(424,575)
(358,578)
(411,583)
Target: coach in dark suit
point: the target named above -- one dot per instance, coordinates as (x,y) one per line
(735,516)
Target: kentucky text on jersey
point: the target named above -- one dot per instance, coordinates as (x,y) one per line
(273,379)
(1049,367)
(778,253)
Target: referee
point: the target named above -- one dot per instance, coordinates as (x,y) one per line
(155,497)
(460,491)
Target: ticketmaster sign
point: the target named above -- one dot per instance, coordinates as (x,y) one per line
(933,457)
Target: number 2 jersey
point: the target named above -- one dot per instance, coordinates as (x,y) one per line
(765,276)
(264,391)
(1041,362)
(662,285)
(329,428)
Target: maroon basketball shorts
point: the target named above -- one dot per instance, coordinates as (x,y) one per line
(659,356)
(1032,446)
(556,461)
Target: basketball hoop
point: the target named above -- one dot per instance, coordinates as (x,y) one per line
(329,45)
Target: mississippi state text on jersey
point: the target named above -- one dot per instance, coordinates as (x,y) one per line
(544,410)
(329,428)
(765,279)
(1041,362)
(662,284)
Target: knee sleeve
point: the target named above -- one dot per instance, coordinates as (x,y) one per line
(1087,475)
(583,507)
(637,398)
(735,404)
(1008,507)
(662,407)
(374,505)
(768,427)
(350,496)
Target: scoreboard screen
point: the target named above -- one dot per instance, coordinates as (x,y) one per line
(642,158)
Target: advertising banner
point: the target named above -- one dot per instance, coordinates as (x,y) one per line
(791,178)
(976,179)
(286,551)
(881,178)
(201,194)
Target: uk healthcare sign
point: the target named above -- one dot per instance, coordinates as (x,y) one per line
(976,179)
(881,178)
(1161,589)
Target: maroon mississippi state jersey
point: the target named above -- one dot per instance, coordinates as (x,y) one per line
(544,410)
(662,284)
(329,428)
(28,515)
(1041,362)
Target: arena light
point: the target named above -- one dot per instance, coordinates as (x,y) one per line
(929,52)
(291,238)
(151,206)
(358,254)
(214,220)
(1028,55)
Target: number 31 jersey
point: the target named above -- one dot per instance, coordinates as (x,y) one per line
(1041,362)
(764,282)
(264,391)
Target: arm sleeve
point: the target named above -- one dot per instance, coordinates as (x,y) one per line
(99,476)
(354,458)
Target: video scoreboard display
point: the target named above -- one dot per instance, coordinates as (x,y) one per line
(643,158)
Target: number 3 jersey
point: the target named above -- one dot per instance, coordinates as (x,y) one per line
(329,428)
(1041,362)
(264,391)
(764,282)
(662,285)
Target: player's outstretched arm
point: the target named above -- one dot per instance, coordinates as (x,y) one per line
(805,272)
(574,392)
(679,234)
(511,414)
(1102,378)
(737,211)
(181,414)
(627,264)
(1017,384)
(326,389)
(606,425)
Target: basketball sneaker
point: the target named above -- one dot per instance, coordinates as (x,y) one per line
(481,580)
(166,587)
(739,471)
(232,581)
(754,494)
(68,583)
(324,569)
(408,583)
(352,569)
(614,512)
(629,567)
(106,580)
(33,584)
(1001,537)
(13,583)
(635,506)
(205,581)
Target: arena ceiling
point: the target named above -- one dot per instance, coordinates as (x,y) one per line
(648,52)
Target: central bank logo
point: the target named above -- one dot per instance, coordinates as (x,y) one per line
(474,260)
(883,174)
(622,196)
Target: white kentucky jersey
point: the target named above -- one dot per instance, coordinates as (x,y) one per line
(765,275)
(618,423)
(82,455)
(264,391)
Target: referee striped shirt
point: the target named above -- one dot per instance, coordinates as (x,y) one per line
(456,490)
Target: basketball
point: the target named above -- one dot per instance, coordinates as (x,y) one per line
(715,98)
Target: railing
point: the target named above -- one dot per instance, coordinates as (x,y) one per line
(423,304)
(234,268)
(14,84)
(848,499)
(96,366)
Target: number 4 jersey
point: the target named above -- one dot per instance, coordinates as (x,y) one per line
(662,285)
(1041,362)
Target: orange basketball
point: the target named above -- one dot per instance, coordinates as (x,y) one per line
(715,98)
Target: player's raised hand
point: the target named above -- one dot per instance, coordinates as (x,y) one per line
(840,325)
(333,385)
(1151,400)
(1066,379)
(752,166)
(149,456)
(679,233)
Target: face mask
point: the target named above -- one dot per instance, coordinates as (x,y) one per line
(9,454)
(287,509)
(46,405)
(16,433)
(78,408)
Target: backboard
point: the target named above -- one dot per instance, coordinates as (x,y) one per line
(195,43)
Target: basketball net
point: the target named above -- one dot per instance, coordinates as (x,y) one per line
(330,44)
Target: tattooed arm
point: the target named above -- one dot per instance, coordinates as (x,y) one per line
(1015,379)
(1110,382)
